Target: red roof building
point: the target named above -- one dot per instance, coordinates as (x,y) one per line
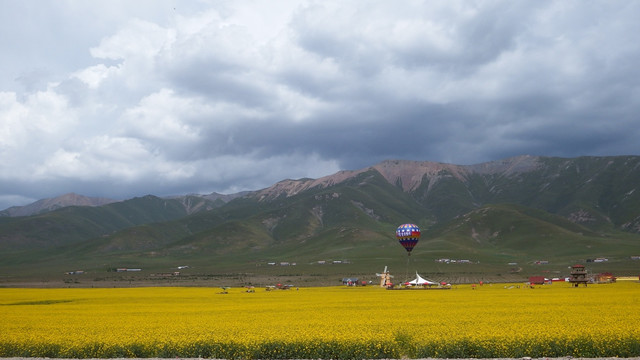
(536,280)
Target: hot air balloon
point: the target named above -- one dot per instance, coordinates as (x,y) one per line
(408,236)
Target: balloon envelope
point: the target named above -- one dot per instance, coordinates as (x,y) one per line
(408,236)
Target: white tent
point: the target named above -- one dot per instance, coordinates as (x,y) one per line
(420,281)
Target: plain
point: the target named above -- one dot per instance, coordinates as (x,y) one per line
(493,320)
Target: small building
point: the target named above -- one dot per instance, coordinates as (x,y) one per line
(605,277)
(350,281)
(578,275)
(537,280)
(175,273)
(77,272)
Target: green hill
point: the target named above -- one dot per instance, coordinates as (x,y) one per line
(502,220)
(77,224)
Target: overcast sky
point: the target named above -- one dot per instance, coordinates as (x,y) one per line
(126,98)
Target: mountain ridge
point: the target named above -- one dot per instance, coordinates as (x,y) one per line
(408,173)
(191,202)
(473,185)
(50,204)
(513,210)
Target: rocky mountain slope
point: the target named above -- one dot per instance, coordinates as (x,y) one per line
(46,205)
(192,203)
(594,191)
(511,210)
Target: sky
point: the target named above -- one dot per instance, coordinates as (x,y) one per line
(121,98)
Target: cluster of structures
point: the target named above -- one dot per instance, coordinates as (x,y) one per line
(319,262)
(454,261)
(353,281)
(76,272)
(332,262)
(385,281)
(168,274)
(578,276)
(281,263)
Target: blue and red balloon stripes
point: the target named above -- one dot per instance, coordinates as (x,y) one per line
(408,235)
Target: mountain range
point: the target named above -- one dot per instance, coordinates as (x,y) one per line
(504,218)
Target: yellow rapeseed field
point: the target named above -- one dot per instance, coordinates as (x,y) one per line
(337,322)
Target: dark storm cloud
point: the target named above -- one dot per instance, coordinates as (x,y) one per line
(234,97)
(358,137)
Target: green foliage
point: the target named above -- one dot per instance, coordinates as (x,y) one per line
(563,210)
(404,345)
(75,224)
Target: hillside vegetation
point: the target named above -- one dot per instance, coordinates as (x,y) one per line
(505,217)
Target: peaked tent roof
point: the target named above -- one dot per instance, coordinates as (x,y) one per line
(421,281)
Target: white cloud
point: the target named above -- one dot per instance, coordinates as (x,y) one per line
(166,96)
(93,76)
(31,129)
(139,40)
(162,117)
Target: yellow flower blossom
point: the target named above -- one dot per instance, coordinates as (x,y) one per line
(334,322)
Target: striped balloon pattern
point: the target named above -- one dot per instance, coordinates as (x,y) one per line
(408,236)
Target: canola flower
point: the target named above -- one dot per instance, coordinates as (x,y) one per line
(336,322)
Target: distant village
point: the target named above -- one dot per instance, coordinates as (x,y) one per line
(456,261)
(578,274)
(318,262)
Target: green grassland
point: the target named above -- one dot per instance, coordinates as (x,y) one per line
(563,212)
